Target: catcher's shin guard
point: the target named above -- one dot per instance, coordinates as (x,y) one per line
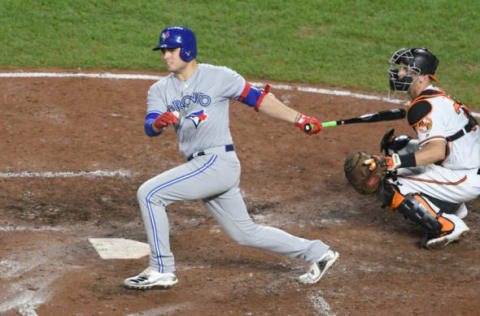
(416,208)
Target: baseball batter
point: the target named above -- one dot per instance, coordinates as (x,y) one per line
(194,99)
(438,172)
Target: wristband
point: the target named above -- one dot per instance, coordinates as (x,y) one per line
(408,160)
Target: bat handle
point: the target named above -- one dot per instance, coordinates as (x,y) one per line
(309,127)
(329,124)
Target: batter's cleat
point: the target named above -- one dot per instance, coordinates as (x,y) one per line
(151,278)
(460,231)
(318,269)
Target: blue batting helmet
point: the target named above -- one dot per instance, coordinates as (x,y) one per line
(179,36)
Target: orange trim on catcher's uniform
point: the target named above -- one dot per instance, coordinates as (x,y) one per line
(422,97)
(442,93)
(433,181)
(423,117)
(426,140)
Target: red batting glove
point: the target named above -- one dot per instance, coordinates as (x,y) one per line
(309,125)
(164,119)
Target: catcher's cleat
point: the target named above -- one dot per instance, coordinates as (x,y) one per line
(150,278)
(462,211)
(318,269)
(459,231)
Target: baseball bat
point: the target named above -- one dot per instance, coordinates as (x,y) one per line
(386,115)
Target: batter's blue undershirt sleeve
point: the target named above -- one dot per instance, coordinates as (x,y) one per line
(252,96)
(149,119)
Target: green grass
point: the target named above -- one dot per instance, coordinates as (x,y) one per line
(337,43)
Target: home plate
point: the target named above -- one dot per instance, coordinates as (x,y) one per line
(119,248)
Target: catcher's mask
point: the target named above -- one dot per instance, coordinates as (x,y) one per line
(179,36)
(415,61)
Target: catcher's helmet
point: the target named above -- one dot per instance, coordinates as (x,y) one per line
(179,36)
(419,61)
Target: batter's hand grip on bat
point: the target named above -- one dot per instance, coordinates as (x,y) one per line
(313,128)
(308,128)
(307,124)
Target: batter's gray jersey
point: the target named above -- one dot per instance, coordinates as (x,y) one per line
(203,104)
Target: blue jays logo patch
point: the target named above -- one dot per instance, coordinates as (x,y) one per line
(197,117)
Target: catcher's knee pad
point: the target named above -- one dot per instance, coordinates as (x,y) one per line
(419,210)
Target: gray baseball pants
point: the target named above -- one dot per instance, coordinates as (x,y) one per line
(213,178)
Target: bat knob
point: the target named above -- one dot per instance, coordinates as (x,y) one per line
(307,128)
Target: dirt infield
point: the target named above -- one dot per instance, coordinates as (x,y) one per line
(289,180)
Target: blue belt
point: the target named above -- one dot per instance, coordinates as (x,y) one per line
(227,148)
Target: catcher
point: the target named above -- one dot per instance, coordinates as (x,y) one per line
(430,178)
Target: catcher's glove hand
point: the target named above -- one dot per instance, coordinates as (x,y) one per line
(365,172)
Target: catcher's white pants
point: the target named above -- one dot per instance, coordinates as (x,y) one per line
(455,186)
(213,178)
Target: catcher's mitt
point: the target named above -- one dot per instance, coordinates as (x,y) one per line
(364,177)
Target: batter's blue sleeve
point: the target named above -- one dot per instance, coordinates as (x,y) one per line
(252,96)
(149,119)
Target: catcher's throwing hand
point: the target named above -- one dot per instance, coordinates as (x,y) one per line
(307,124)
(390,163)
(165,119)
